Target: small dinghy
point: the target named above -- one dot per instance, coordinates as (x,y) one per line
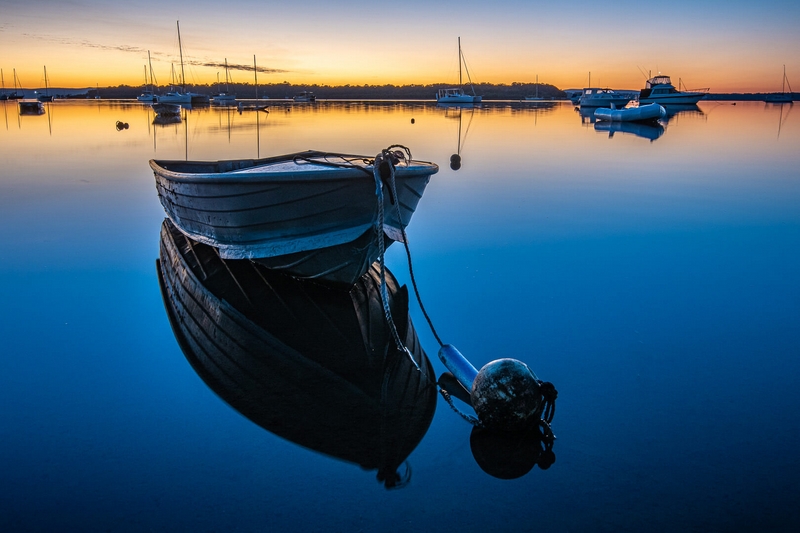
(642,113)
(313,214)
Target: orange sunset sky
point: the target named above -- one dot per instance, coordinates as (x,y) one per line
(727,46)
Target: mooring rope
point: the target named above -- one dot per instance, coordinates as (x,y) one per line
(449,399)
(382,161)
(406,153)
(384,172)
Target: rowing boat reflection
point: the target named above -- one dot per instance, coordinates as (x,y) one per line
(316,366)
(651,131)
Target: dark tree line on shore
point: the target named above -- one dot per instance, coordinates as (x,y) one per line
(489,91)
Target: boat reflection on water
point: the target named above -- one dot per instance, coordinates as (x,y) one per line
(316,366)
(674,110)
(166,120)
(586,114)
(648,130)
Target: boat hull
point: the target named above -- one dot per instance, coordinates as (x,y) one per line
(175,98)
(255,209)
(648,112)
(339,265)
(460,99)
(678,99)
(779,98)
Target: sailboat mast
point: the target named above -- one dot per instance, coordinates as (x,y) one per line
(459,61)
(180,49)
(255,74)
(47,91)
(152,78)
(783,81)
(226,76)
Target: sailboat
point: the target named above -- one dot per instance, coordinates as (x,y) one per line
(173,96)
(27,106)
(46,97)
(457,95)
(148,95)
(16,95)
(224,97)
(3,95)
(177,97)
(782,97)
(536,97)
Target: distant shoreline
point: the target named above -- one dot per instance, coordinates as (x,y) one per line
(246,91)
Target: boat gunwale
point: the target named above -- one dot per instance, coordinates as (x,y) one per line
(412,168)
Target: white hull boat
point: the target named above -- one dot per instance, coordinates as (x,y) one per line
(597,97)
(782,97)
(305,96)
(175,98)
(281,210)
(659,90)
(642,113)
(457,95)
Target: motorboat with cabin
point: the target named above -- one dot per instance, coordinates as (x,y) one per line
(305,96)
(660,90)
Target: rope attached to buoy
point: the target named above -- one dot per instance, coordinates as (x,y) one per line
(401,155)
(384,164)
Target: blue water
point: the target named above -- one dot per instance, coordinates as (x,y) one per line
(654,281)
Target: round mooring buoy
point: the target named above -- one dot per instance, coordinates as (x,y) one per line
(412,120)
(506,395)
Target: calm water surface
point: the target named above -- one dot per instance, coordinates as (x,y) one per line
(651,274)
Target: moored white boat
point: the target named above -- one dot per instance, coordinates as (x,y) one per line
(598,97)
(291,204)
(659,90)
(174,97)
(224,96)
(782,97)
(305,96)
(457,95)
(148,94)
(574,95)
(646,112)
(148,97)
